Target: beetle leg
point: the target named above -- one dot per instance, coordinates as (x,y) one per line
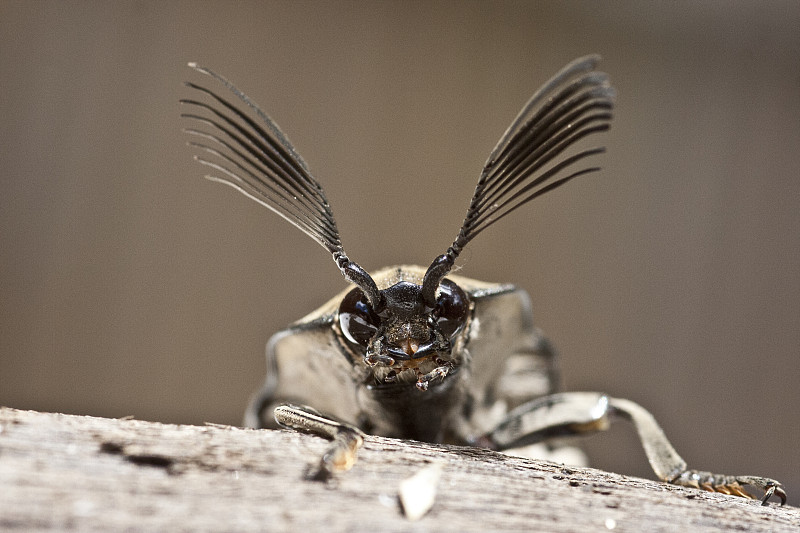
(576,413)
(547,417)
(670,467)
(347,439)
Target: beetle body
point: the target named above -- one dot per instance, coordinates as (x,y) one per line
(418,353)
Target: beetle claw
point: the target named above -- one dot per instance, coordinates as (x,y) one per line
(769,486)
(773,487)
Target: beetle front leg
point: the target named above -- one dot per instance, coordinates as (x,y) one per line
(579,413)
(347,439)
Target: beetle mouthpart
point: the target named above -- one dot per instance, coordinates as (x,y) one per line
(421,373)
(437,373)
(374,359)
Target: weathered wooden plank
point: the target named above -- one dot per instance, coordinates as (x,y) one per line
(60,472)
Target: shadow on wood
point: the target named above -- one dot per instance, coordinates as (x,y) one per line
(60,472)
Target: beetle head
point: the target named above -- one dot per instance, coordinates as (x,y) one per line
(406,338)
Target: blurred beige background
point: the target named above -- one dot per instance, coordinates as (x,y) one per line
(131,286)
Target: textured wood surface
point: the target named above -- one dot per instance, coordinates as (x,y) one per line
(63,472)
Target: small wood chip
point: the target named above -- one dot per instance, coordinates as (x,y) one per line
(418,492)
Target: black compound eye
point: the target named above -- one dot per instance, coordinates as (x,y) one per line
(452,308)
(357,319)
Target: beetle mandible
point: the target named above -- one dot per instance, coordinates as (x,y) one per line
(419,353)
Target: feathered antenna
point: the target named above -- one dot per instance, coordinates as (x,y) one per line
(527,161)
(256,158)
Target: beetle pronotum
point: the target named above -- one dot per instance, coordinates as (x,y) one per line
(418,353)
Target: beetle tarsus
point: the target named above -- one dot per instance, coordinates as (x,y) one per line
(341,456)
(732,485)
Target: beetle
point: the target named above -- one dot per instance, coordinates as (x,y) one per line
(419,353)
